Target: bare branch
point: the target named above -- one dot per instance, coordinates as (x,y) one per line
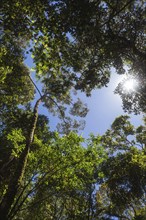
(35,86)
(61,112)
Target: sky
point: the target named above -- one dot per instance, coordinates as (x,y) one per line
(104,106)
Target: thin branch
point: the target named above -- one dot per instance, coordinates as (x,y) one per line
(111,17)
(37,202)
(35,85)
(61,112)
(37,186)
(41,181)
(14,210)
(119,216)
(133,209)
(118,12)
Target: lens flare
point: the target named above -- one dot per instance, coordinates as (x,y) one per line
(129,85)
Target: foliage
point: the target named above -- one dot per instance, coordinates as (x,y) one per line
(73,45)
(65,172)
(123,185)
(136,96)
(110,33)
(68,177)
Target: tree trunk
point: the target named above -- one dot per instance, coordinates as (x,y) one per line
(15,182)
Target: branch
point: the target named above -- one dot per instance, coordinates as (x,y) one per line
(14,210)
(119,216)
(42,179)
(14,184)
(118,12)
(37,202)
(35,86)
(35,187)
(61,112)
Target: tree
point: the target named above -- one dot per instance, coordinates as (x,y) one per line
(62,175)
(122,192)
(62,182)
(136,95)
(14,41)
(110,33)
(58,178)
(80,36)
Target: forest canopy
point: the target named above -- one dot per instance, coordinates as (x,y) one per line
(47,174)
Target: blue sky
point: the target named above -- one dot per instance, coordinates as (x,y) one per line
(104,106)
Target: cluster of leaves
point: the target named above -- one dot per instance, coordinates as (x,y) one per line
(136,96)
(123,186)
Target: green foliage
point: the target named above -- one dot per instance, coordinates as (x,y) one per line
(62,172)
(110,34)
(70,177)
(73,44)
(123,185)
(16,140)
(76,43)
(18,91)
(134,100)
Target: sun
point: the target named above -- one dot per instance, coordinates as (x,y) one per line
(129,85)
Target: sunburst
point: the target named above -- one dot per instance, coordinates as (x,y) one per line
(130,85)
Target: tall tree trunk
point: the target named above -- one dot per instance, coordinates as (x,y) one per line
(16,179)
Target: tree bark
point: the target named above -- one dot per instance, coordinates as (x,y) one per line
(15,182)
